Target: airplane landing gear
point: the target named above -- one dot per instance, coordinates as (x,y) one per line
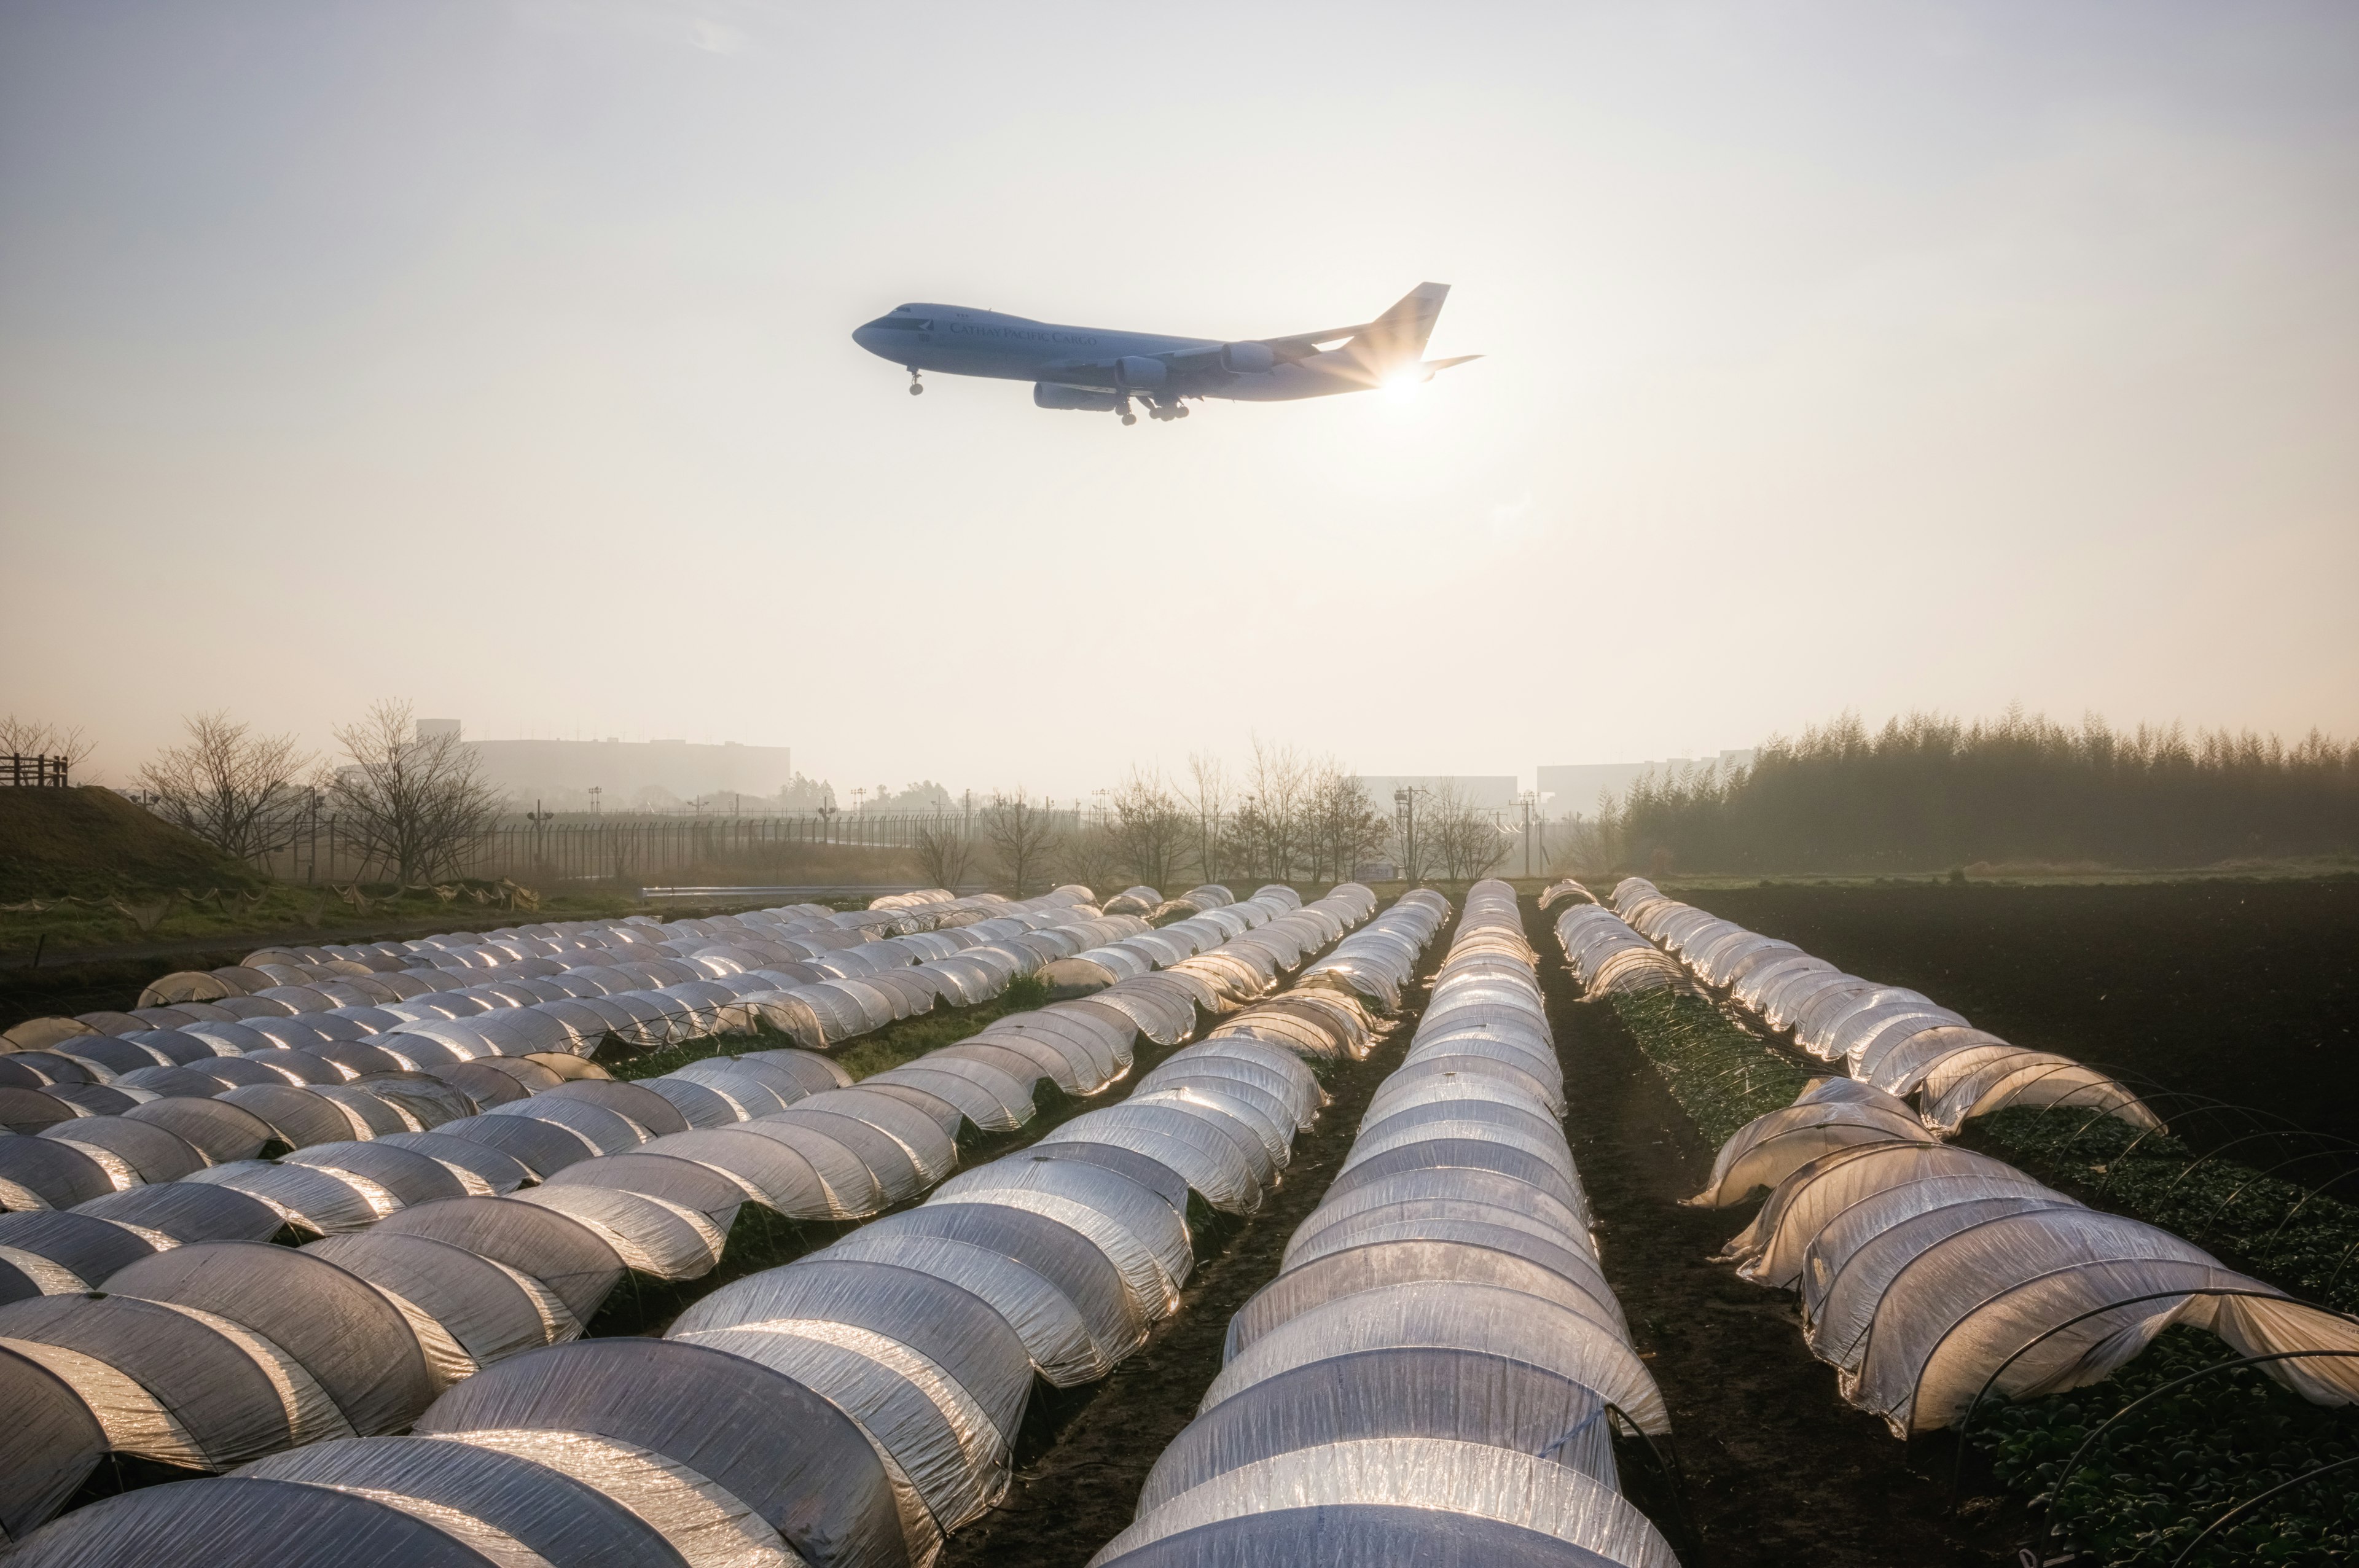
(917,387)
(1121,407)
(1130,418)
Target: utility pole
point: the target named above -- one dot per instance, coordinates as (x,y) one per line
(1405,812)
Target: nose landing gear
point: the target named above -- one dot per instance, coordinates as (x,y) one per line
(917,387)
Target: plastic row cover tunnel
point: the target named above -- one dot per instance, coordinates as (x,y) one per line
(407,1082)
(649,1176)
(491,1234)
(1896,1040)
(928,1328)
(684,984)
(275,984)
(1080,1046)
(1933,1277)
(744,1529)
(1437,1369)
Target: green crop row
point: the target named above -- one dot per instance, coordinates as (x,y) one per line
(2148,1487)
(2155,1482)
(1722,1075)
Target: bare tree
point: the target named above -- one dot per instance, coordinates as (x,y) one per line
(414,805)
(1207,800)
(1021,836)
(1581,845)
(1091,855)
(1151,829)
(1269,830)
(1343,828)
(944,853)
(226,785)
(1466,840)
(37,738)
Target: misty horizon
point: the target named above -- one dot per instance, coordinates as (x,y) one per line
(498,359)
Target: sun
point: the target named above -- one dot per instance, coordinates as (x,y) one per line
(1402,384)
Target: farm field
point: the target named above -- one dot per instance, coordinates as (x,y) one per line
(2180,1452)
(2242,991)
(1779,1469)
(1075,1488)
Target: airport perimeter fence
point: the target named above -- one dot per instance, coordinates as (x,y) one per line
(314,846)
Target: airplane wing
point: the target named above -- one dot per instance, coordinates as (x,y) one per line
(1371,350)
(1302,345)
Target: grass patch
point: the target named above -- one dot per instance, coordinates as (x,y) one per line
(1722,1076)
(206,910)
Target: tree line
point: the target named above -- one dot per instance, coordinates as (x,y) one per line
(416,807)
(1931,792)
(1284,817)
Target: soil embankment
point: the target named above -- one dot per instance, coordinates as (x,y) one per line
(91,841)
(1779,1471)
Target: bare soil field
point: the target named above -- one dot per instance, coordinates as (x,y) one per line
(2247,991)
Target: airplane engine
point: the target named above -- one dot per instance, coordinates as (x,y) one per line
(1247,359)
(1057,395)
(1134,371)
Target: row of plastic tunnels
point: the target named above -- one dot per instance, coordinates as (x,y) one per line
(1935,1278)
(413,1385)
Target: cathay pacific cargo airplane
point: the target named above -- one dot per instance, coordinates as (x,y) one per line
(1102,371)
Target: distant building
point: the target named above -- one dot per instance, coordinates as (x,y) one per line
(1574,791)
(1484,792)
(625,772)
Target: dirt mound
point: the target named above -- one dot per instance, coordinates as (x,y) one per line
(91,841)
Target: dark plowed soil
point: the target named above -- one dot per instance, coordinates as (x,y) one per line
(1090,1449)
(1779,1471)
(2243,991)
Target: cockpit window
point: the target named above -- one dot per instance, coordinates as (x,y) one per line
(903,323)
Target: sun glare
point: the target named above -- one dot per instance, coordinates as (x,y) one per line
(1401,385)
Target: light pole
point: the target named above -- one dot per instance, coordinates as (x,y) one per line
(1528,800)
(540,818)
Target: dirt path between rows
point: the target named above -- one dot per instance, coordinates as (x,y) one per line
(1779,1471)
(1093,1447)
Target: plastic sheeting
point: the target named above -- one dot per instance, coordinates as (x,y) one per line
(1436,1476)
(559,1521)
(1440,1358)
(928,1329)
(1929,1275)
(800,1463)
(206,1524)
(2003,1293)
(1829,1114)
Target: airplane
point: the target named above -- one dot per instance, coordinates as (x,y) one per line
(1102,371)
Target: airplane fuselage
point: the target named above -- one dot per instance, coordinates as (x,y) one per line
(956,341)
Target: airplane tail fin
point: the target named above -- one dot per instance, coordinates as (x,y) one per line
(1397,336)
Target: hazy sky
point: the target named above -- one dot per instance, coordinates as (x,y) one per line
(1848,356)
